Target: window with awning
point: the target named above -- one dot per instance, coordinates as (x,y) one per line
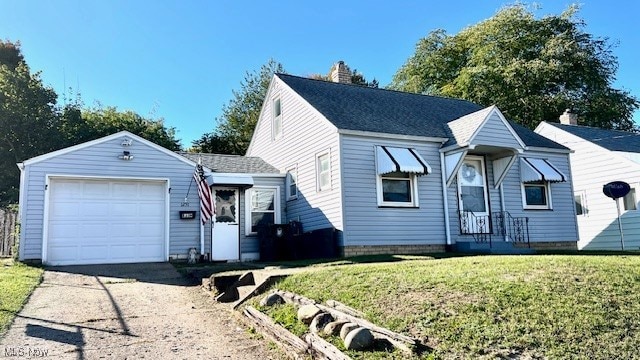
(397,170)
(536,176)
(402,160)
(533,170)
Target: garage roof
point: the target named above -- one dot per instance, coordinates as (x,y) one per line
(232,163)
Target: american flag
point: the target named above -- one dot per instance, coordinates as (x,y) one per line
(207,209)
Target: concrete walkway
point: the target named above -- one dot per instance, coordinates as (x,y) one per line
(139,311)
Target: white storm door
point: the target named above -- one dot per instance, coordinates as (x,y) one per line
(472,195)
(226,227)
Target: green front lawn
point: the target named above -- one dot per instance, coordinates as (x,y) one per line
(17,282)
(545,306)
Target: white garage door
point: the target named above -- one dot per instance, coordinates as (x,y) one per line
(105,221)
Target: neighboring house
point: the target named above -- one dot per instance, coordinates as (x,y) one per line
(119,199)
(601,156)
(396,172)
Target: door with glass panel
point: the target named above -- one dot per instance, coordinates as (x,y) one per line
(472,196)
(226,228)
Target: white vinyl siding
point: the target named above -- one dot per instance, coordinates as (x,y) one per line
(592,167)
(307,134)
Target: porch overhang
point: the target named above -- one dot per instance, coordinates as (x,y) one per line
(394,159)
(534,170)
(230,179)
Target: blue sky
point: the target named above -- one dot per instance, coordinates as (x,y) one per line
(180,60)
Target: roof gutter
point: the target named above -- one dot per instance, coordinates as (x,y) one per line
(549,150)
(391,136)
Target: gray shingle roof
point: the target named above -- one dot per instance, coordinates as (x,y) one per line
(232,163)
(614,140)
(353,107)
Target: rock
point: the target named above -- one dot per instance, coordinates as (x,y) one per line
(271,300)
(359,339)
(306,313)
(333,328)
(346,329)
(319,321)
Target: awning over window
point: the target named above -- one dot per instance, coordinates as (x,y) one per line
(393,159)
(537,170)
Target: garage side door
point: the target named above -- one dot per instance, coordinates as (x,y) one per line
(105,221)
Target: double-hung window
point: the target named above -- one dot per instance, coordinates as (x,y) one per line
(397,171)
(323,171)
(629,201)
(580,199)
(292,183)
(277,119)
(536,195)
(397,189)
(263,208)
(537,175)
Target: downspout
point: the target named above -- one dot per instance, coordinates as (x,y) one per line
(445,201)
(201,237)
(504,210)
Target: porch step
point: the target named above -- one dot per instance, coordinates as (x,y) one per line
(246,286)
(496,247)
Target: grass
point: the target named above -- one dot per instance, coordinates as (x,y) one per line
(551,306)
(17,282)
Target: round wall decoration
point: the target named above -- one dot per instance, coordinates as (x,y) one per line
(468,172)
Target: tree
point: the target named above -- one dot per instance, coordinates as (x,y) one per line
(31,124)
(28,119)
(240,115)
(79,126)
(532,69)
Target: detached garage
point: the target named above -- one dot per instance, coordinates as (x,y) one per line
(112,200)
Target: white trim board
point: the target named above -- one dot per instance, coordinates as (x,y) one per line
(87,144)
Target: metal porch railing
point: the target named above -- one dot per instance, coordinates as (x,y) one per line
(501,223)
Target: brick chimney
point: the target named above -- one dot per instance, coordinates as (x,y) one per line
(568,118)
(340,73)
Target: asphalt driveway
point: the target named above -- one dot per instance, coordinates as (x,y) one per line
(133,311)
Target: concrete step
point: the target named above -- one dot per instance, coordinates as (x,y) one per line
(247,292)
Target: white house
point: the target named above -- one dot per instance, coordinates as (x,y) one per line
(601,156)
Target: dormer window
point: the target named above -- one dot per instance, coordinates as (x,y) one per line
(277,119)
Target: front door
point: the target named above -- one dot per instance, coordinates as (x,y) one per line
(472,195)
(225,243)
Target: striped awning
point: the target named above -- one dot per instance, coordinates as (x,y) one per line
(539,170)
(394,159)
